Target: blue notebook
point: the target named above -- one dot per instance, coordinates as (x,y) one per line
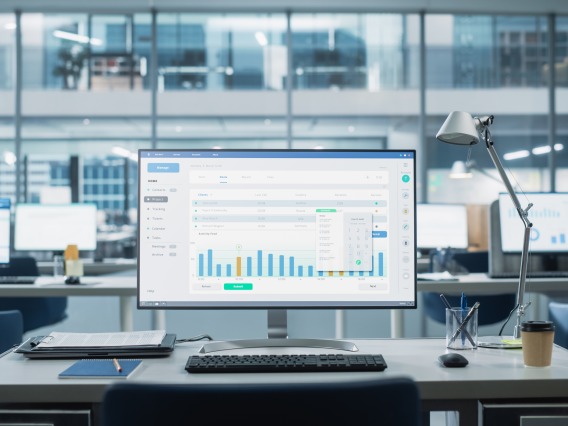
(100,369)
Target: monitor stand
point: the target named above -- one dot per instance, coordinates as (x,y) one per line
(278,338)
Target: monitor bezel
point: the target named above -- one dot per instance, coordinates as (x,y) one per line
(278,305)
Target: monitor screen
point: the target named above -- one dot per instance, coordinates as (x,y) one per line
(441,226)
(4,231)
(55,226)
(549,216)
(276,229)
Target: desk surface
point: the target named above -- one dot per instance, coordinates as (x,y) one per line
(90,286)
(491,373)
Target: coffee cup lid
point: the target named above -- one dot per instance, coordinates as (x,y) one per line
(537,326)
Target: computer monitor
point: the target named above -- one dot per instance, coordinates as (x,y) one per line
(276,230)
(549,216)
(441,226)
(4,232)
(52,227)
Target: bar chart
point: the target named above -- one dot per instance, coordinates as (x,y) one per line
(267,263)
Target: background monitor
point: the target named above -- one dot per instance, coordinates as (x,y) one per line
(441,226)
(54,226)
(276,229)
(549,216)
(4,231)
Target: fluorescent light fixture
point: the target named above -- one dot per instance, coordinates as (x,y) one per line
(77,37)
(123,152)
(515,155)
(261,38)
(545,149)
(10,26)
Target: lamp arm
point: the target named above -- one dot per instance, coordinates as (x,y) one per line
(523,214)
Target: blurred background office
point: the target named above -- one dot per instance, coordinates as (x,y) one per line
(84,85)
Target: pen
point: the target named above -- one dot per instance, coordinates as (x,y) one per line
(463,304)
(117,365)
(465,321)
(456,317)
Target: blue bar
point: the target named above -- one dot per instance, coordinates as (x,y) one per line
(228,269)
(320,273)
(218,269)
(163,167)
(259,260)
(273,153)
(281,262)
(351,273)
(291,266)
(562,238)
(300,271)
(209,262)
(270,264)
(249,266)
(553,238)
(381,271)
(201,270)
(360,273)
(310,271)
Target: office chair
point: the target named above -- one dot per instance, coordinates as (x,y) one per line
(36,311)
(492,309)
(558,313)
(374,401)
(11,329)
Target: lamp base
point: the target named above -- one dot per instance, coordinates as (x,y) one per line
(499,342)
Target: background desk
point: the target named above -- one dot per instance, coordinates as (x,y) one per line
(482,284)
(492,377)
(122,286)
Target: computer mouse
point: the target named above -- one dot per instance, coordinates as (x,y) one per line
(453,359)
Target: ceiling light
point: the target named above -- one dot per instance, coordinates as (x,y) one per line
(460,170)
(261,38)
(77,37)
(515,155)
(10,158)
(10,26)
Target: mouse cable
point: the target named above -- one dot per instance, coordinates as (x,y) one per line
(195,338)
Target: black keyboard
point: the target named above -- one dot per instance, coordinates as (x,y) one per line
(7,279)
(534,274)
(283,363)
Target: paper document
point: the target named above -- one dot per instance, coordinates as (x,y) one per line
(102,340)
(436,276)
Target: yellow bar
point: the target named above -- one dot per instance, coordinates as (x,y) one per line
(238,266)
(340,273)
(330,273)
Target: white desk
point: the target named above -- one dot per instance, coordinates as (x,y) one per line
(493,376)
(123,287)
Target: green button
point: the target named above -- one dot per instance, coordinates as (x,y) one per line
(326,211)
(237,286)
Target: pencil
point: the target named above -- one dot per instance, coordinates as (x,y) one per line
(117,365)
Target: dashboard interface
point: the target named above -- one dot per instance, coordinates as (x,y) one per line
(276,228)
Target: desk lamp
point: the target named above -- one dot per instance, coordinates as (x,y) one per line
(460,128)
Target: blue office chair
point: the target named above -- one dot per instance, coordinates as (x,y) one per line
(36,311)
(375,401)
(558,313)
(492,309)
(11,329)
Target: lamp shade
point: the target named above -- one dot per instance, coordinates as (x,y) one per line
(459,129)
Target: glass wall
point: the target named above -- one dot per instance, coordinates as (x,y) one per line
(236,80)
(487,65)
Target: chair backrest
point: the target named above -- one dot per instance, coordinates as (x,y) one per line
(376,401)
(11,329)
(36,311)
(558,313)
(492,308)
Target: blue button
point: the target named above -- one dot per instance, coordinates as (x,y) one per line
(163,167)
(379,234)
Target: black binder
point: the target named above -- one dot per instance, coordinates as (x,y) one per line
(30,350)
